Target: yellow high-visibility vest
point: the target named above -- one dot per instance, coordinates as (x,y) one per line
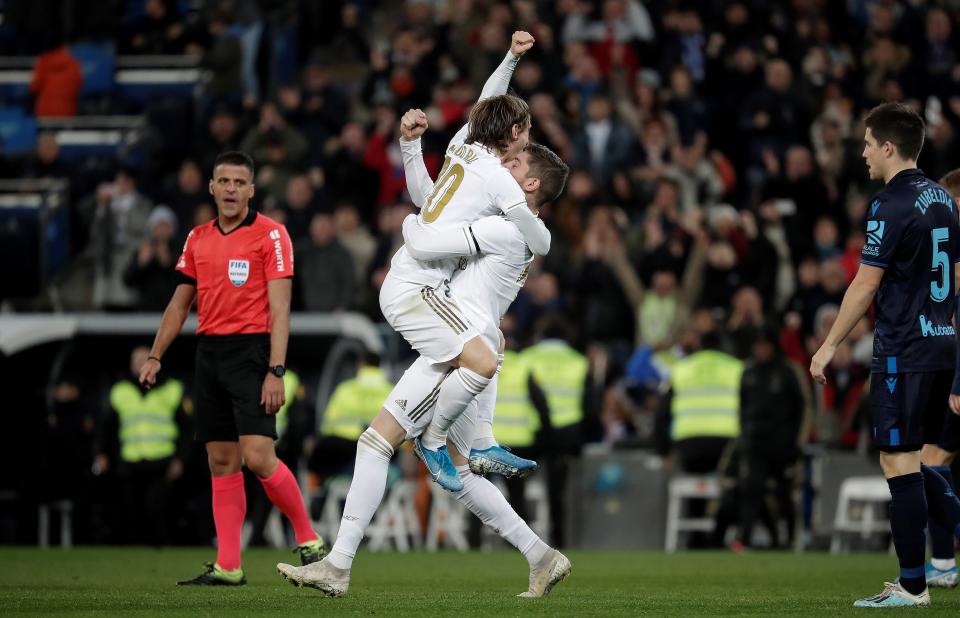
(516,421)
(355,403)
(561,372)
(148,427)
(706,396)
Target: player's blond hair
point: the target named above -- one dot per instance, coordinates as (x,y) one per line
(492,121)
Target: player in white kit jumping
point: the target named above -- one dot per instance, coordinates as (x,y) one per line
(414,398)
(416,299)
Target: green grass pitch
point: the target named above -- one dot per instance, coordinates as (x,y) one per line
(138,582)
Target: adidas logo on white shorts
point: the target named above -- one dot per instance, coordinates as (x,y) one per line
(402,403)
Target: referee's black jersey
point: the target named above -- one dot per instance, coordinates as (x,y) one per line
(913,234)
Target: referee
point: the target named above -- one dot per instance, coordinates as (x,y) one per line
(240,268)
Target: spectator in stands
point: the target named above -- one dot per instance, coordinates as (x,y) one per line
(358,241)
(188,192)
(151,271)
(273,130)
(325,269)
(390,233)
(46,162)
(317,107)
(689,110)
(223,135)
(606,311)
(56,83)
(382,154)
(803,195)
(159,31)
(622,21)
(771,117)
(145,434)
(224,59)
(603,145)
(301,203)
(348,178)
(119,223)
(746,320)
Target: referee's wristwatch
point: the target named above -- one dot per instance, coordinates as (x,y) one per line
(278,370)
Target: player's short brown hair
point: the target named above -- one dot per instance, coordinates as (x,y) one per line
(549,169)
(951,182)
(492,120)
(898,124)
(235,157)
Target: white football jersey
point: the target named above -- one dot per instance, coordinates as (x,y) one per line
(489,284)
(472,184)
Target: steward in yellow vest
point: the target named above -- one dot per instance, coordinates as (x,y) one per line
(516,421)
(559,373)
(702,409)
(352,407)
(144,435)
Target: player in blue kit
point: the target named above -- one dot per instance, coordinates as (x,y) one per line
(941,571)
(907,263)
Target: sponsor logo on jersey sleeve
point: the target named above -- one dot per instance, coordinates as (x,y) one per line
(277,249)
(874,238)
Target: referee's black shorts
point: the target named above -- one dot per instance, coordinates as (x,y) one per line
(230,372)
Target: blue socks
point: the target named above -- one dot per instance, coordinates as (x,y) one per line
(908,521)
(944,510)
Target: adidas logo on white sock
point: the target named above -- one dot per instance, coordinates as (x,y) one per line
(402,403)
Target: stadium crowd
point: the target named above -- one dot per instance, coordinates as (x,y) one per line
(717,196)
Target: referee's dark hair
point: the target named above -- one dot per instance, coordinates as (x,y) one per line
(235,157)
(898,124)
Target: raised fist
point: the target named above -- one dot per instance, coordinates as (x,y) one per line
(413,125)
(521,42)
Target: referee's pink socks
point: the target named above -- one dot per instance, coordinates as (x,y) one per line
(283,491)
(229,510)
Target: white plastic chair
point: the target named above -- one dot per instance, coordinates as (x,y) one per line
(680,490)
(870,493)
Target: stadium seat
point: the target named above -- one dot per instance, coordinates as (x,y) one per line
(863,495)
(18,131)
(97,63)
(447,526)
(680,490)
(65,509)
(396,521)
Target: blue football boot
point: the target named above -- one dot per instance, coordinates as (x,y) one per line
(499,460)
(439,465)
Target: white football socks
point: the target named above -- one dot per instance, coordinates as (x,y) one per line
(486,402)
(486,502)
(364,497)
(455,395)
